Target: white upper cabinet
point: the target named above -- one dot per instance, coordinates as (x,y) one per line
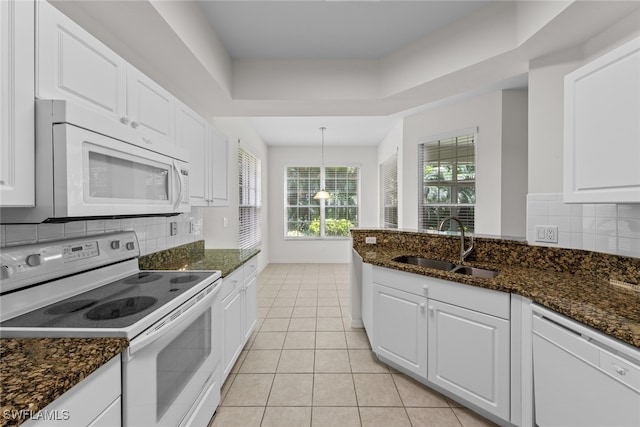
(218,177)
(602,129)
(192,133)
(17,143)
(150,108)
(75,66)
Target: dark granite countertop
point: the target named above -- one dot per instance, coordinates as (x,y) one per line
(572,282)
(36,371)
(194,257)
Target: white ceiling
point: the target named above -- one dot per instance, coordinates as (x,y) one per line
(317,29)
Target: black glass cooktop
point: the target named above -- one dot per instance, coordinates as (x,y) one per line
(115,305)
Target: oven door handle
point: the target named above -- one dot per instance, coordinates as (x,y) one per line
(160,328)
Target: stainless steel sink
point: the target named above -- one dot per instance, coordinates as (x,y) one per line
(475,272)
(426,262)
(447,266)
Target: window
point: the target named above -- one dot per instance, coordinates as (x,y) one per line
(389,186)
(307,217)
(249,186)
(448,187)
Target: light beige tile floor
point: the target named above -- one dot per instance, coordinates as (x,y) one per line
(305,365)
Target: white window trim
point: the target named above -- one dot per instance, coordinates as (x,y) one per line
(322,175)
(445,135)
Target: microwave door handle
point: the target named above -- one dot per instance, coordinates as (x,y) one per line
(176,168)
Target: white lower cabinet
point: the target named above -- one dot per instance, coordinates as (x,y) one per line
(103,409)
(450,336)
(469,356)
(400,328)
(239,312)
(232,333)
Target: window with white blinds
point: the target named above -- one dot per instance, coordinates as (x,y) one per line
(389,197)
(447,170)
(306,217)
(250,200)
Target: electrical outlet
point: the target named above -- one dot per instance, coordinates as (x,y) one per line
(225,222)
(547,233)
(173,228)
(370,240)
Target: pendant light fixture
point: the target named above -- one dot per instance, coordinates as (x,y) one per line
(322,194)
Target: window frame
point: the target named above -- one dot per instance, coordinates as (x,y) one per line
(255,237)
(386,168)
(321,203)
(439,137)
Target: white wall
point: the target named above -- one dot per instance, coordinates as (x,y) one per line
(319,250)
(486,113)
(215,234)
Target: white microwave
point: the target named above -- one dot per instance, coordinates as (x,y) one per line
(87,168)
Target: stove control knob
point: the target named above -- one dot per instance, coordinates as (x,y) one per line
(34,260)
(115,245)
(130,246)
(4,272)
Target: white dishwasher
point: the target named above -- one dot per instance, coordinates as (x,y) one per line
(582,377)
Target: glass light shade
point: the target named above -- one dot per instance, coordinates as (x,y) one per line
(322,194)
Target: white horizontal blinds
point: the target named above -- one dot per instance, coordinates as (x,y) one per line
(250,199)
(389,185)
(448,171)
(303,212)
(341,211)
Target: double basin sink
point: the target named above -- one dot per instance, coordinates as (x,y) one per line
(447,266)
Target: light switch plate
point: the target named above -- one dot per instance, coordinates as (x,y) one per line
(547,233)
(370,240)
(173,228)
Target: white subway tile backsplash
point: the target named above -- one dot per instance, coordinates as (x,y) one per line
(75,229)
(19,234)
(605,228)
(95,226)
(152,232)
(606,211)
(50,231)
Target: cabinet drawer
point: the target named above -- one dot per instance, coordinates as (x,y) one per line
(231,282)
(407,282)
(486,301)
(250,267)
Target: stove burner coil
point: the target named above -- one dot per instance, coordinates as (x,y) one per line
(184,279)
(141,278)
(120,308)
(71,306)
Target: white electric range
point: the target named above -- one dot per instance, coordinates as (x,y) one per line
(92,287)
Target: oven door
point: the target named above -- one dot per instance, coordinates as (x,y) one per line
(167,367)
(96,175)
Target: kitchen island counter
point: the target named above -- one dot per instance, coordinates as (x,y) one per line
(575,283)
(36,371)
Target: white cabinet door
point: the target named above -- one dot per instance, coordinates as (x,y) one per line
(150,109)
(17,137)
(192,133)
(232,332)
(251,306)
(602,129)
(469,356)
(218,180)
(73,65)
(400,328)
